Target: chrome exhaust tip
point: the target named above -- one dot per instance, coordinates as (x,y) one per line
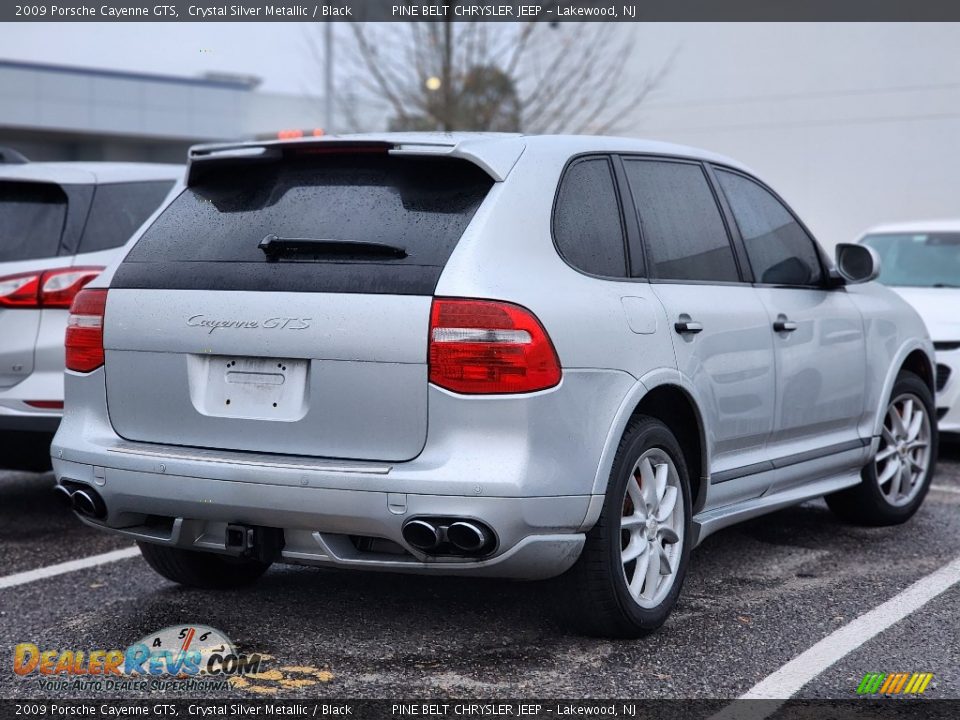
(83,503)
(63,495)
(468,537)
(422,535)
(88,503)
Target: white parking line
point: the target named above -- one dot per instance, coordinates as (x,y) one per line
(67,567)
(789,679)
(946,489)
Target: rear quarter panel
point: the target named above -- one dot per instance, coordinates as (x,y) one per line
(508,254)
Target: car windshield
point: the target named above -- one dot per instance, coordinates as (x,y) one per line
(918,259)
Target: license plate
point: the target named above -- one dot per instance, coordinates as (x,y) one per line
(252,388)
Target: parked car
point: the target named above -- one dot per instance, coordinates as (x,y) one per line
(484,355)
(921,262)
(60,224)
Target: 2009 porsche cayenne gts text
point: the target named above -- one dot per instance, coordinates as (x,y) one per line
(490,355)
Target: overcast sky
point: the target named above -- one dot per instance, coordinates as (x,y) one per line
(857,123)
(713,60)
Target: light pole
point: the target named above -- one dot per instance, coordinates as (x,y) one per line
(328,91)
(446,69)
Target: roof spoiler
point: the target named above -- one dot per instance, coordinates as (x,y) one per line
(9,156)
(496,159)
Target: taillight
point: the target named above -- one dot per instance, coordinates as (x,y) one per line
(84,339)
(45,288)
(20,291)
(45,404)
(58,288)
(487,347)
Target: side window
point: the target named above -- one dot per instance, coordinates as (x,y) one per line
(587,224)
(779,249)
(118,210)
(682,227)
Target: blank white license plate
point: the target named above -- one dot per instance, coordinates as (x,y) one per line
(253,388)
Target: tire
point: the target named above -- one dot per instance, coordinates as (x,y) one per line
(598,596)
(881,498)
(201,569)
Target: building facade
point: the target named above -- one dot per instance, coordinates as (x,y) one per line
(50,112)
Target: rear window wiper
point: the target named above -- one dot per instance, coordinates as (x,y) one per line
(275,247)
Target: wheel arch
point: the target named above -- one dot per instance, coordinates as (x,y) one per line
(665,397)
(919,363)
(916,356)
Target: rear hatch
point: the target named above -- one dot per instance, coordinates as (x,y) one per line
(281,303)
(33,216)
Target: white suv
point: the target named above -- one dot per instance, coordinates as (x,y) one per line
(60,225)
(921,263)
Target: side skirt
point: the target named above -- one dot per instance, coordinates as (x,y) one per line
(707,523)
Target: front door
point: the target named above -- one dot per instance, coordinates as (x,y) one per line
(817,332)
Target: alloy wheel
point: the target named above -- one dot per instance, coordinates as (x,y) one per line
(651,528)
(903,459)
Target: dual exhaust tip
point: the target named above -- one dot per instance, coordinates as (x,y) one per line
(440,536)
(430,535)
(82,499)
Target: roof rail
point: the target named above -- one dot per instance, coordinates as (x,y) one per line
(12,157)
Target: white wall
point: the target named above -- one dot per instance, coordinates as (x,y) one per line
(854,124)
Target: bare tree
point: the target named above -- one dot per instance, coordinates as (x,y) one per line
(534,77)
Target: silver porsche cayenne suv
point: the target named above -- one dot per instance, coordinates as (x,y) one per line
(486,355)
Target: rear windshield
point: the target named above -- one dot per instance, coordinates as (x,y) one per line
(31,220)
(209,236)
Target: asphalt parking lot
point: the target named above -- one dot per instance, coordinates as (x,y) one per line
(756,596)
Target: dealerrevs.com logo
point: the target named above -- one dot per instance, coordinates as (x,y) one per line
(191,657)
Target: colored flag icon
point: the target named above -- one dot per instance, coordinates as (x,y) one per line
(894,683)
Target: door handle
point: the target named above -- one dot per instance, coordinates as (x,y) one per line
(688,327)
(784,325)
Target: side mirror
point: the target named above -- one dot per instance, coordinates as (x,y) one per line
(857,263)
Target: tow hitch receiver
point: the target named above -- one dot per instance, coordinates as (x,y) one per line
(262,543)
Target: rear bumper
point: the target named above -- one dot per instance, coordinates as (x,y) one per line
(34,422)
(17,414)
(524,466)
(538,537)
(43,382)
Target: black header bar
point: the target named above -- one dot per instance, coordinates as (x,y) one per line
(486,709)
(547,11)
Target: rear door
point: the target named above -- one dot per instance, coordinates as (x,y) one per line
(316,349)
(817,331)
(719,327)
